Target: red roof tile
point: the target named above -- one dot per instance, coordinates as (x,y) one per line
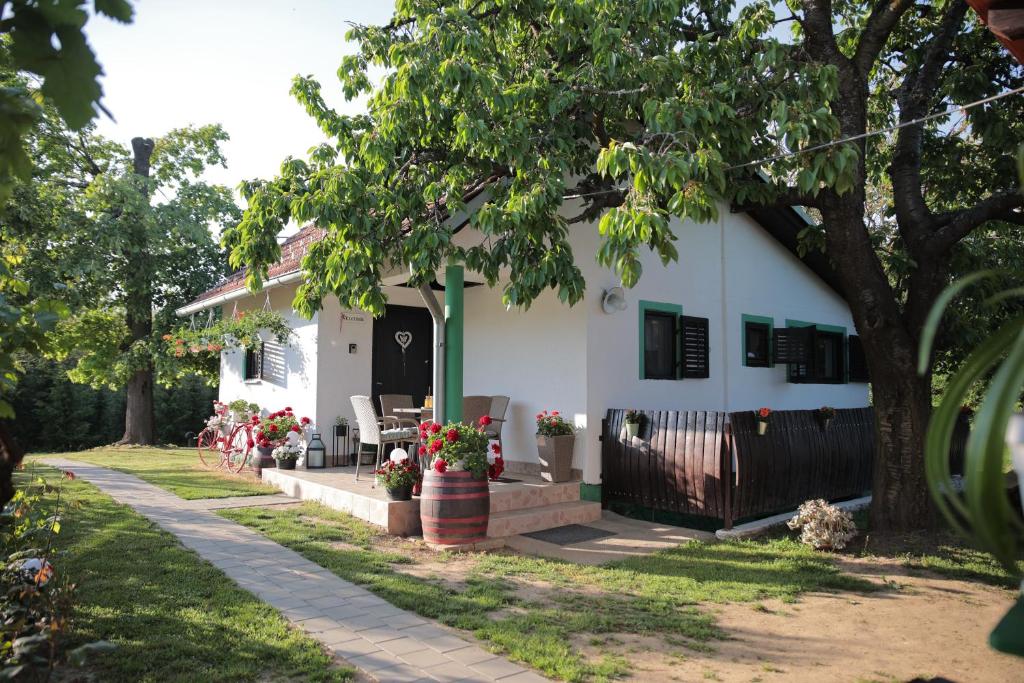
(292,251)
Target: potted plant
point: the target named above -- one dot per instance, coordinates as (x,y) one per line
(399,478)
(242,410)
(286,455)
(273,431)
(555,439)
(762,415)
(633,420)
(458,454)
(826,414)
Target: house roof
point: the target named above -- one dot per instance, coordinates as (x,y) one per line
(782,224)
(1005,19)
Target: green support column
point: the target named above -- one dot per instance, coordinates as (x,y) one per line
(454,319)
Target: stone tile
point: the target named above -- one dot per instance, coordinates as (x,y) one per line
(469,655)
(446,643)
(354,648)
(382,634)
(424,658)
(454,672)
(317,624)
(497,667)
(524,677)
(335,636)
(363,623)
(374,662)
(401,646)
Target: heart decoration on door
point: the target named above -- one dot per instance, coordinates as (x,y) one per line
(404,339)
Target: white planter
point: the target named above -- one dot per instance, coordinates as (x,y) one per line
(631,429)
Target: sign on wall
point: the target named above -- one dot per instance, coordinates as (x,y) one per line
(351,318)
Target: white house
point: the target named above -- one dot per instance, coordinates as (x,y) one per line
(735,282)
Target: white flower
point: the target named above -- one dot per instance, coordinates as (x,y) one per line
(823,526)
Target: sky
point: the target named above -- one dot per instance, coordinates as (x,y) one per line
(229,62)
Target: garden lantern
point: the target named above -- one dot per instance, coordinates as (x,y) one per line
(316,453)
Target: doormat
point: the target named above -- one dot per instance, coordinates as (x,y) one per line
(569,534)
(506,480)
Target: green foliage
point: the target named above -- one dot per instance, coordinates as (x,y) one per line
(556,425)
(45,38)
(196,350)
(984,513)
(461,446)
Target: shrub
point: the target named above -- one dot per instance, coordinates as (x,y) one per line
(393,475)
(823,526)
(455,446)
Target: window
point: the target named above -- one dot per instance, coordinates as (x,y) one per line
(659,345)
(813,354)
(756,344)
(858,363)
(253,363)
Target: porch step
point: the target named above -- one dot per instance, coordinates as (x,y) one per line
(523,521)
(530,494)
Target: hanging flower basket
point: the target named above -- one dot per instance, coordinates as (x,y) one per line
(762,415)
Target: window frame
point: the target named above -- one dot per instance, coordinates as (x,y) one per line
(813,375)
(252,357)
(769,326)
(674,310)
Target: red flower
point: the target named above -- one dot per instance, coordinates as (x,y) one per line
(68,474)
(423,450)
(440,465)
(496,448)
(436,445)
(304,420)
(540,416)
(273,428)
(295,428)
(250,443)
(255,420)
(485,420)
(554,412)
(452,435)
(435,428)
(288,410)
(764,412)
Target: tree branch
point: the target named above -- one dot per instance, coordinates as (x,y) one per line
(788,197)
(820,39)
(1000,206)
(914,96)
(884,17)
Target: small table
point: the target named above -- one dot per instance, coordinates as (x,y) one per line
(417,413)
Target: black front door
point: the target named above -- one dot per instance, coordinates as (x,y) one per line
(402,344)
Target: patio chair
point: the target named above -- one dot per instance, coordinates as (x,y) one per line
(475,407)
(388,402)
(378,434)
(499,406)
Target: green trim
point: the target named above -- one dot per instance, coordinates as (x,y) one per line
(747,318)
(591,492)
(454,316)
(653,306)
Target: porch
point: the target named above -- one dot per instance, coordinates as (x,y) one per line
(521,503)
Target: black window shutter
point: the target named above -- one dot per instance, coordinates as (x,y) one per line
(695,347)
(793,345)
(259,362)
(858,363)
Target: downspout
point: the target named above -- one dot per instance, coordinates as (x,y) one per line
(437,315)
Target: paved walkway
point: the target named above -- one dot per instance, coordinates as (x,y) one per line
(382,640)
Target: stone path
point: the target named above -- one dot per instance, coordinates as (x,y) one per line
(382,640)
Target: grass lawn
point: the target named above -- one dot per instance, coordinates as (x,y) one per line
(173,616)
(177,470)
(546,613)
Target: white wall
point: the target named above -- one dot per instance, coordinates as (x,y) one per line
(765,279)
(536,357)
(299,389)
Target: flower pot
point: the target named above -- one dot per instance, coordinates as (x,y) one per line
(288,464)
(263,460)
(632,428)
(454,508)
(825,422)
(555,457)
(400,492)
(762,427)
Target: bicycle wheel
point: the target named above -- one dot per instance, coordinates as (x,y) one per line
(207,447)
(239,448)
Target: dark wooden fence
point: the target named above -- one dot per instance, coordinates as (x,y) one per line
(713,464)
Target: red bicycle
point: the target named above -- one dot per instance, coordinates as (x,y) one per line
(223,443)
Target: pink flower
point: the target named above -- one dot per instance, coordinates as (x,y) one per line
(485,420)
(440,465)
(554,412)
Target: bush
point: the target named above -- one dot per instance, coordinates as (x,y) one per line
(823,526)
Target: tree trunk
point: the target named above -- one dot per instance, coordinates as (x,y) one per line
(138,418)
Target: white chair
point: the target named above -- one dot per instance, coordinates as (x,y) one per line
(377,433)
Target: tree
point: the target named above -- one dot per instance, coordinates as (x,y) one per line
(144,218)
(646,110)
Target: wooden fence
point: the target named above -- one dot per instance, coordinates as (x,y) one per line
(713,464)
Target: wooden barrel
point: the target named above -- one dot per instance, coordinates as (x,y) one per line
(454,508)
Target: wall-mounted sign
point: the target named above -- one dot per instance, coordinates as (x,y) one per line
(351,318)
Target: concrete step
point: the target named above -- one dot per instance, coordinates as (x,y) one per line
(531,494)
(522,521)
